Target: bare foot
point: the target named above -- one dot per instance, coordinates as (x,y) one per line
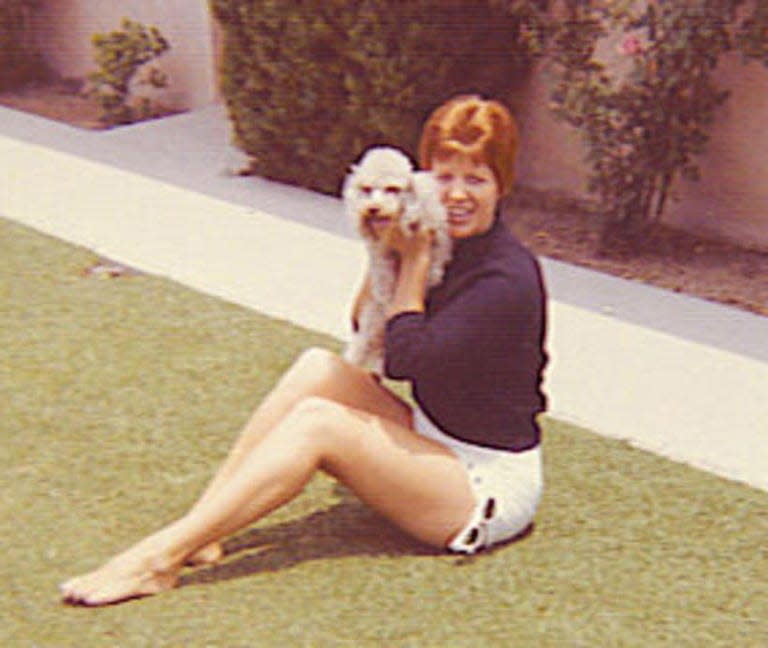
(129,575)
(210,554)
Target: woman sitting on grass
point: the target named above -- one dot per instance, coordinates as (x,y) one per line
(462,470)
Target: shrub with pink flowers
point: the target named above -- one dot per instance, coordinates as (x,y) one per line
(636,78)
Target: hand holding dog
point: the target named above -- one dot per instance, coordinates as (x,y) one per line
(410,246)
(415,252)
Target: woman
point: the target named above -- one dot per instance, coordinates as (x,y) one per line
(463,470)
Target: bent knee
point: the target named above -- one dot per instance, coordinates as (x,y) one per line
(310,372)
(317,359)
(316,366)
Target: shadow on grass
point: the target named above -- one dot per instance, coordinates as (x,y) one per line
(346,529)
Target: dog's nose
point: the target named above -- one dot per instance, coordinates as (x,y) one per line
(373,211)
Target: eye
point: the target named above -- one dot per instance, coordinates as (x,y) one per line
(444,178)
(366,190)
(475,180)
(393,190)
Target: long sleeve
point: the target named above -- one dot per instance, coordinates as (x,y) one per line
(467,335)
(475,357)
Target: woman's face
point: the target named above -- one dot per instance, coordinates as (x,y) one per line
(469,192)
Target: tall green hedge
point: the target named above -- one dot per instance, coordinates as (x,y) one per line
(311,84)
(19,58)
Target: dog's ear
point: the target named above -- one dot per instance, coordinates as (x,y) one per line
(348,180)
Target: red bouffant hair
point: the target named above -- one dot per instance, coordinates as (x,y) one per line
(480,128)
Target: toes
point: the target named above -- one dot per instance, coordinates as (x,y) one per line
(93,595)
(69,590)
(75,591)
(99,589)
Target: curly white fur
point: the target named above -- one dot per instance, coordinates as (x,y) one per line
(383,191)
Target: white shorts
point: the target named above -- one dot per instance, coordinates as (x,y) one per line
(507,488)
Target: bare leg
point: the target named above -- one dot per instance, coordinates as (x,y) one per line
(418,484)
(316,373)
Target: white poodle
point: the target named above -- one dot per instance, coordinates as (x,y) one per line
(383,191)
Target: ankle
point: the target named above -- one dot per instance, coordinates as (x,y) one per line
(184,545)
(162,553)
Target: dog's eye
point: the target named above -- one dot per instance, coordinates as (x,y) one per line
(366,190)
(393,190)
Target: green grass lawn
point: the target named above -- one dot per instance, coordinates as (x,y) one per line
(119,396)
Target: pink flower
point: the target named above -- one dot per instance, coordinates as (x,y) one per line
(632,46)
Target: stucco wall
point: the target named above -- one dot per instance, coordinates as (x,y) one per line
(730,200)
(551,152)
(65,28)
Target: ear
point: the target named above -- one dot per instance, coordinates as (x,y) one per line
(346,184)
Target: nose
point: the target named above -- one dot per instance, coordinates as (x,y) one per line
(456,189)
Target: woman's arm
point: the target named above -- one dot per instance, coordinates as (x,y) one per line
(411,286)
(490,313)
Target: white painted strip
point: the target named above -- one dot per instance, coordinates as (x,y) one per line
(279,267)
(678,398)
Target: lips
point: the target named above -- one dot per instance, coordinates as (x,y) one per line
(459,217)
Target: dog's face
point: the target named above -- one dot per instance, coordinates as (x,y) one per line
(376,190)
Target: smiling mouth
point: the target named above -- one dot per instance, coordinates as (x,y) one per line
(459,217)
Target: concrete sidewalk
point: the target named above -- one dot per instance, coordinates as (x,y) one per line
(675,375)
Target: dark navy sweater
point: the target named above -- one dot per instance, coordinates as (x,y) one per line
(476,356)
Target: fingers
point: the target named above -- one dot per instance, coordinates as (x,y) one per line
(410,239)
(417,229)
